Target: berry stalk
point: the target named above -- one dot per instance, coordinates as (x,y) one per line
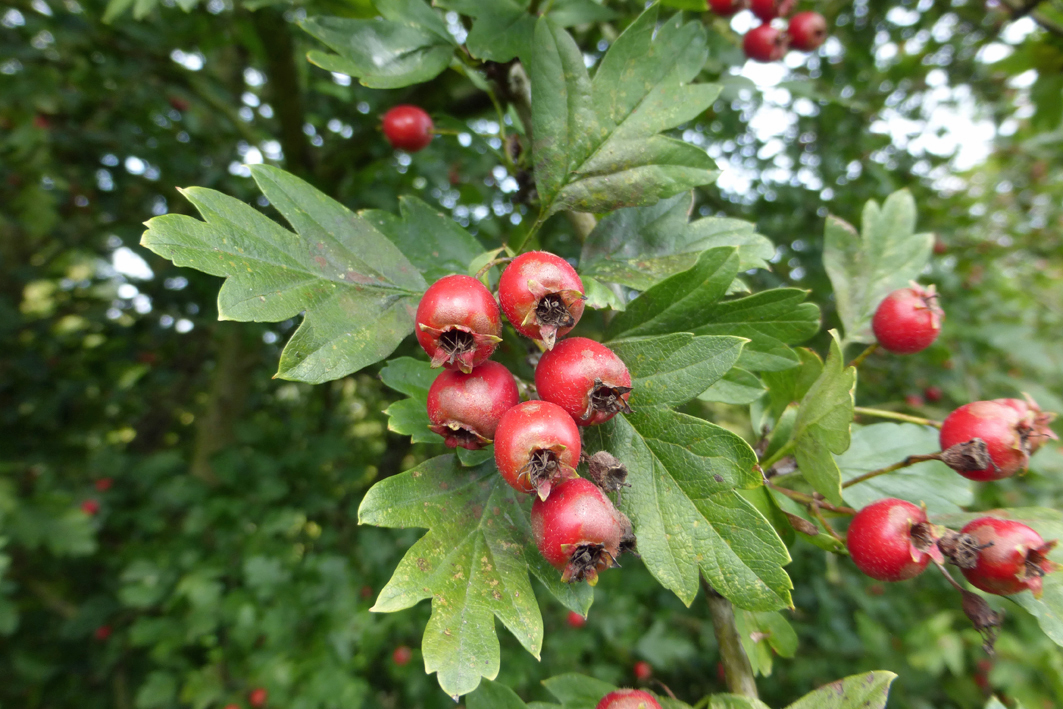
(894,416)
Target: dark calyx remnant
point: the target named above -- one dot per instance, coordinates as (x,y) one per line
(552,310)
(607,472)
(985,620)
(961,549)
(588,558)
(969,456)
(457,342)
(628,542)
(543,470)
(609,398)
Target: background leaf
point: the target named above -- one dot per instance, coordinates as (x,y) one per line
(434,243)
(866,691)
(492,695)
(673,369)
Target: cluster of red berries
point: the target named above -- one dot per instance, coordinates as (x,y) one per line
(408,128)
(891,540)
(764,43)
(628,699)
(578,382)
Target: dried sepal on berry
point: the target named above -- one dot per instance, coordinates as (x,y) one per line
(608,472)
(542,296)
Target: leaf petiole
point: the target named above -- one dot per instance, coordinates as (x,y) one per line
(909,461)
(894,416)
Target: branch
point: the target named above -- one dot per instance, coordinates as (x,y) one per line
(864,355)
(1019,10)
(909,461)
(736,665)
(810,500)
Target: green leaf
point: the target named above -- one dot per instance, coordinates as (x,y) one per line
(823,424)
(866,691)
(492,695)
(115,9)
(673,369)
(409,376)
(685,511)
(567,13)
(473,563)
(735,701)
(641,246)
(790,385)
(737,387)
(880,445)
(599,295)
(433,242)
(409,46)
(597,145)
(864,268)
(583,692)
(357,290)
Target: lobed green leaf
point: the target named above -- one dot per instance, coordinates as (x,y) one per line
(866,691)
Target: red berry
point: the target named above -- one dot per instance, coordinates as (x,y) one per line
(402,655)
(90,507)
(586,379)
(577,530)
(726,8)
(643,670)
(537,445)
(465,408)
(890,540)
(541,295)
(575,620)
(232,706)
(768,10)
(808,30)
(104,484)
(408,128)
(933,394)
(258,697)
(458,323)
(1034,423)
(764,43)
(913,400)
(178,104)
(1003,450)
(908,320)
(628,699)
(1015,560)
(940,247)
(102,633)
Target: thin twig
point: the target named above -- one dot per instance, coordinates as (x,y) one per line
(823,520)
(491,264)
(893,415)
(909,461)
(778,455)
(809,500)
(864,355)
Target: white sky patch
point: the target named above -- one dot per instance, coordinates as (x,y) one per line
(129,263)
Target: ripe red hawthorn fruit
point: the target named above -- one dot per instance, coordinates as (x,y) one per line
(628,699)
(913,400)
(232,706)
(537,445)
(178,103)
(764,43)
(1015,560)
(104,484)
(257,697)
(90,507)
(908,320)
(933,394)
(458,323)
(577,530)
(408,128)
(1034,424)
(542,296)
(575,620)
(643,670)
(465,408)
(102,633)
(726,8)
(586,379)
(402,655)
(807,31)
(768,10)
(992,436)
(891,540)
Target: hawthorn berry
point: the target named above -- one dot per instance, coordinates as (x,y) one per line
(465,408)
(985,440)
(1034,423)
(1011,557)
(104,484)
(726,8)
(575,620)
(764,43)
(807,31)
(577,530)
(891,540)
(402,655)
(908,320)
(102,633)
(913,400)
(643,670)
(232,706)
(586,379)
(628,699)
(933,394)
(542,296)
(90,507)
(408,128)
(768,10)
(537,445)
(458,323)
(257,697)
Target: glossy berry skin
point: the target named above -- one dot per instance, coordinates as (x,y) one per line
(999,426)
(586,379)
(258,697)
(575,620)
(768,10)
(465,408)
(577,530)
(643,670)
(908,320)
(764,43)
(458,323)
(402,655)
(1034,423)
(537,445)
(628,699)
(542,296)
(1016,561)
(408,128)
(808,30)
(726,8)
(881,543)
